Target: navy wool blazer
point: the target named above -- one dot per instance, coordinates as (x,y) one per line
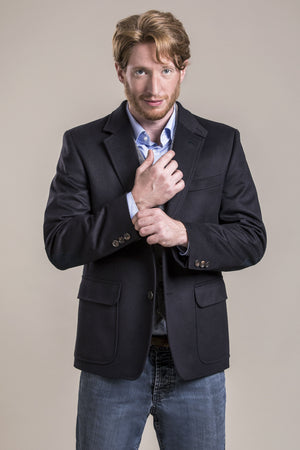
(87,223)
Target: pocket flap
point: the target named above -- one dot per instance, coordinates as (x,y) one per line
(210,293)
(104,292)
(205,183)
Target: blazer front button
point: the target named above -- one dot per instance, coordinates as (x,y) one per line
(115,243)
(150,295)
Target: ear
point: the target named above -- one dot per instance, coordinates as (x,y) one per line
(183,71)
(120,72)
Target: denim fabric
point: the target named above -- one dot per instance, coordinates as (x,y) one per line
(187,415)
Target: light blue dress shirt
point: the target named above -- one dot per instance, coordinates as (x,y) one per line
(143,144)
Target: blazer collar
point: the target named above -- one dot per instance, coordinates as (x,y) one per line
(189,139)
(118,119)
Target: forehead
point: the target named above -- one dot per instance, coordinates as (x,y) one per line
(145,55)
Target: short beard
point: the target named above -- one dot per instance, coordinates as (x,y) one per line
(150,115)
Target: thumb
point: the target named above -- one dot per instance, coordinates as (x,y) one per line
(148,161)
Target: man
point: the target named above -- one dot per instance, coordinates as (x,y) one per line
(155,202)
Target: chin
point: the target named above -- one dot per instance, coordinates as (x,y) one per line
(154,114)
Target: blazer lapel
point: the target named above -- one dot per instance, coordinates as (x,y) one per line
(188,143)
(121,148)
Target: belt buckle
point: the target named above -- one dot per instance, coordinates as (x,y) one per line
(160,341)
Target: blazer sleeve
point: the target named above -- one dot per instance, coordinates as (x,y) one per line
(74,234)
(238,240)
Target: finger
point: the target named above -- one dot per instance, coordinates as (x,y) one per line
(165,159)
(147,231)
(171,167)
(152,239)
(148,212)
(179,186)
(152,217)
(145,222)
(156,239)
(177,176)
(148,161)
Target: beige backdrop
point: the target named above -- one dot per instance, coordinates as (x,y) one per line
(57,72)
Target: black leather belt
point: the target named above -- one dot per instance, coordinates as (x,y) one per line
(160,341)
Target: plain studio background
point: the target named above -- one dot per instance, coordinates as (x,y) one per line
(57,71)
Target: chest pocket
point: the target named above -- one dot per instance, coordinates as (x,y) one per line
(198,184)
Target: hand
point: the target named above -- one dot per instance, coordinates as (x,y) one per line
(160,228)
(155,184)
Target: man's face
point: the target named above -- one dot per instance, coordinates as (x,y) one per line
(151,87)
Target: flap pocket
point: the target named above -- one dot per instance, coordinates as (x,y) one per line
(210,293)
(104,292)
(205,183)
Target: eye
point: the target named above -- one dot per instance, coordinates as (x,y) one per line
(139,72)
(167,71)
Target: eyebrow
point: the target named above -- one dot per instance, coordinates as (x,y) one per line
(163,66)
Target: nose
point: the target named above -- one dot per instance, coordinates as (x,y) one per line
(154,84)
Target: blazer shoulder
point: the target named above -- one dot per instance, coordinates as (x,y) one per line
(216,127)
(88,130)
(208,127)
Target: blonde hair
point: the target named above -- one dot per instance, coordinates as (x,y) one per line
(162,28)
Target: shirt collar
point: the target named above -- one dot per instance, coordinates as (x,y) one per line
(167,133)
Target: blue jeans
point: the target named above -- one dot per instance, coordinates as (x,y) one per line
(187,415)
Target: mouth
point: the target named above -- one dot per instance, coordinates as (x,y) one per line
(154,103)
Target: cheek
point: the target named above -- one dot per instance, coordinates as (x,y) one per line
(136,87)
(173,86)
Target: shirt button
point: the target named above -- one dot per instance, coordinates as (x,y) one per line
(150,295)
(115,243)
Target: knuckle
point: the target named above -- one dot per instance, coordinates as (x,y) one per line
(150,240)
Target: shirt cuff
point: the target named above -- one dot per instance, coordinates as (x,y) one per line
(132,208)
(183,251)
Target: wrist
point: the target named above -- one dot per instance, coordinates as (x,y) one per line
(182,236)
(140,203)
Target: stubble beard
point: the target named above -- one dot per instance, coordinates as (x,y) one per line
(137,102)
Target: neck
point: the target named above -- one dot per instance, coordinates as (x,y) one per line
(153,128)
